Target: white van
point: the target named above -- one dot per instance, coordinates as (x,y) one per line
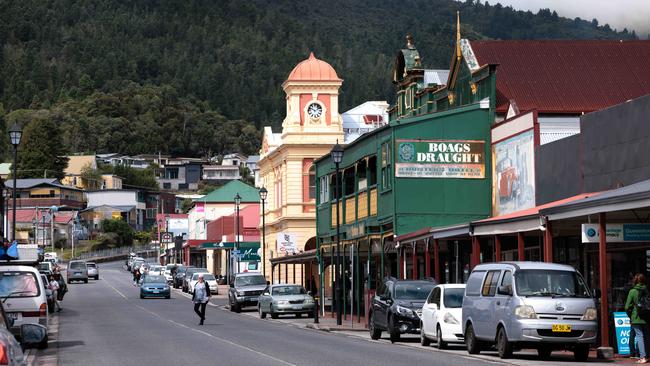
(24,291)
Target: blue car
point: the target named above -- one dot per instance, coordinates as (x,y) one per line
(154,286)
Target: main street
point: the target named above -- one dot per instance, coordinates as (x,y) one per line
(106,323)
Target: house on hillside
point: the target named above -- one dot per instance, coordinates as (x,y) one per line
(364,118)
(45,192)
(76,165)
(180,174)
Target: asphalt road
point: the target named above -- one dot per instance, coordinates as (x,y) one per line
(106,323)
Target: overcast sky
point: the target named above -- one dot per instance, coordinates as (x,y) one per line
(619,14)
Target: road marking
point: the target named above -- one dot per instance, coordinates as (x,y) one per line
(116,290)
(234,344)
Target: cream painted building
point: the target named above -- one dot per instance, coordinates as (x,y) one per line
(311,127)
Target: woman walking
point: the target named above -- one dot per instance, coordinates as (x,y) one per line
(639,325)
(201,298)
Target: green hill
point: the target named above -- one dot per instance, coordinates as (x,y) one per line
(156,75)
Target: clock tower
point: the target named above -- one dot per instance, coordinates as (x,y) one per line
(312,99)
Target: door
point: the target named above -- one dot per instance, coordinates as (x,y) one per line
(503,311)
(428,314)
(382,303)
(436,311)
(486,328)
(264,300)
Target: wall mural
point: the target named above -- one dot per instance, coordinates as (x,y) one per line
(514,173)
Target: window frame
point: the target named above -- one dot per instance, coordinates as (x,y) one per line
(490,283)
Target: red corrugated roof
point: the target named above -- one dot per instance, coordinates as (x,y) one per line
(535,210)
(30,214)
(566,76)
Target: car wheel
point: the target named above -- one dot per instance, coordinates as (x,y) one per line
(168,297)
(473,347)
(262,314)
(426,342)
(374,332)
(581,353)
(393,331)
(96,277)
(86,280)
(273,315)
(440,342)
(141,296)
(298,315)
(544,352)
(504,347)
(237,308)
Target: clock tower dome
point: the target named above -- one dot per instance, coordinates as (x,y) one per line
(312,99)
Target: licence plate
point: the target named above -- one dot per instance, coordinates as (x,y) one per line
(561,328)
(297,307)
(14,316)
(155,292)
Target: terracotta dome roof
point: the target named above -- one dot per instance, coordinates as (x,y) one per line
(313,69)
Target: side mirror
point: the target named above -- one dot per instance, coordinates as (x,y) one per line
(268,283)
(309,293)
(266,293)
(384,297)
(505,290)
(33,335)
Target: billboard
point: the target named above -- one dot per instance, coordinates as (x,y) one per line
(440,159)
(178,226)
(286,243)
(513,160)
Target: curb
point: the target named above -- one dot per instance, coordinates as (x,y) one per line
(49,356)
(328,328)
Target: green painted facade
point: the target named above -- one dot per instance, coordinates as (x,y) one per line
(463,110)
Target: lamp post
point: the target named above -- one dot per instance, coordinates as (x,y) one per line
(263,194)
(337,156)
(15,133)
(237,202)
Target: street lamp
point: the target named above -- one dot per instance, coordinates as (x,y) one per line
(15,133)
(263,194)
(337,156)
(237,202)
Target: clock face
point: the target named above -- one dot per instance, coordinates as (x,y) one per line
(314,110)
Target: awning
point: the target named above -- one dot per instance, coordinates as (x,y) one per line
(451,231)
(193,243)
(299,258)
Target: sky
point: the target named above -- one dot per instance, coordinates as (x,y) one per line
(619,14)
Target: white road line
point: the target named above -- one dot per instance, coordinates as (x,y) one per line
(116,290)
(235,344)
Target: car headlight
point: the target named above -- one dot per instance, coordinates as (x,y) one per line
(590,314)
(525,312)
(450,319)
(404,311)
(240,293)
(309,300)
(282,302)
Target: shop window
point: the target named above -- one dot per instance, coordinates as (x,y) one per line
(385,166)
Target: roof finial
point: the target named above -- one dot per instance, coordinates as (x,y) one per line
(458,53)
(311,56)
(409,41)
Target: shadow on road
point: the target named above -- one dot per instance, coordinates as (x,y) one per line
(64,344)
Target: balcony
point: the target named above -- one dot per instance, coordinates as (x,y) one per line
(373,201)
(333,220)
(362,206)
(350,209)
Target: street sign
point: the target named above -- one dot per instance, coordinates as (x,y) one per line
(166,238)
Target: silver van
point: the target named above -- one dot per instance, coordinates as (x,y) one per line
(538,305)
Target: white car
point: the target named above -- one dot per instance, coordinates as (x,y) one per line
(441,316)
(26,299)
(207,277)
(156,270)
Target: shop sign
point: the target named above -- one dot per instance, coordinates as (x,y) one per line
(166,238)
(616,233)
(286,243)
(440,159)
(622,328)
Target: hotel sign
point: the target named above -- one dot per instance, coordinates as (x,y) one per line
(440,159)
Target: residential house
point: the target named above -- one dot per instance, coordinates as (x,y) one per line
(111,181)
(364,118)
(45,192)
(128,204)
(220,173)
(251,164)
(236,159)
(5,170)
(180,174)
(76,165)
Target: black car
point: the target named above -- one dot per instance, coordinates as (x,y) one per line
(178,277)
(188,277)
(397,306)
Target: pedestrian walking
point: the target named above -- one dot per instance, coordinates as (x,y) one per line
(136,277)
(54,287)
(201,298)
(638,324)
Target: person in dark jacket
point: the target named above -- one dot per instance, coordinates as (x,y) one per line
(639,325)
(201,298)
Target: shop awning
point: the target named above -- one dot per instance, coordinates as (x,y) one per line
(304,257)
(193,243)
(634,196)
(520,221)
(451,231)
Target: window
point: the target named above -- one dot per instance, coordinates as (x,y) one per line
(362,174)
(167,186)
(312,182)
(507,279)
(151,213)
(473,287)
(453,297)
(324,188)
(490,283)
(385,165)
(183,186)
(372,171)
(436,296)
(171,173)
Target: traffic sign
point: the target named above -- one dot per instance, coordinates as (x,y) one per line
(166,238)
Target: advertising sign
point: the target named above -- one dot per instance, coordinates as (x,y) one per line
(622,328)
(286,243)
(166,238)
(440,159)
(514,173)
(200,208)
(616,233)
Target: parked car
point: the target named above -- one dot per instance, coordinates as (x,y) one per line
(48,293)
(155,286)
(441,316)
(93,270)
(31,335)
(180,274)
(188,276)
(77,271)
(245,290)
(46,266)
(207,277)
(397,306)
(156,270)
(528,304)
(285,299)
(23,293)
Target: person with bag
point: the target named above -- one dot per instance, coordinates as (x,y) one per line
(54,287)
(201,298)
(637,306)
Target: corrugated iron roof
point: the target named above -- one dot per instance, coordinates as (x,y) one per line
(567,76)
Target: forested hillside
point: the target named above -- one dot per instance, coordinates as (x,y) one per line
(193,77)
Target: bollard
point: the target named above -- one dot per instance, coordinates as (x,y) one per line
(316,309)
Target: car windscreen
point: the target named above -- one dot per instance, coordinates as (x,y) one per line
(209,277)
(550,283)
(288,290)
(192,271)
(77,265)
(250,281)
(453,297)
(413,291)
(154,279)
(44,266)
(91,265)
(18,284)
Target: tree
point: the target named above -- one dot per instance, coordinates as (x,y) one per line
(92,178)
(41,152)
(120,228)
